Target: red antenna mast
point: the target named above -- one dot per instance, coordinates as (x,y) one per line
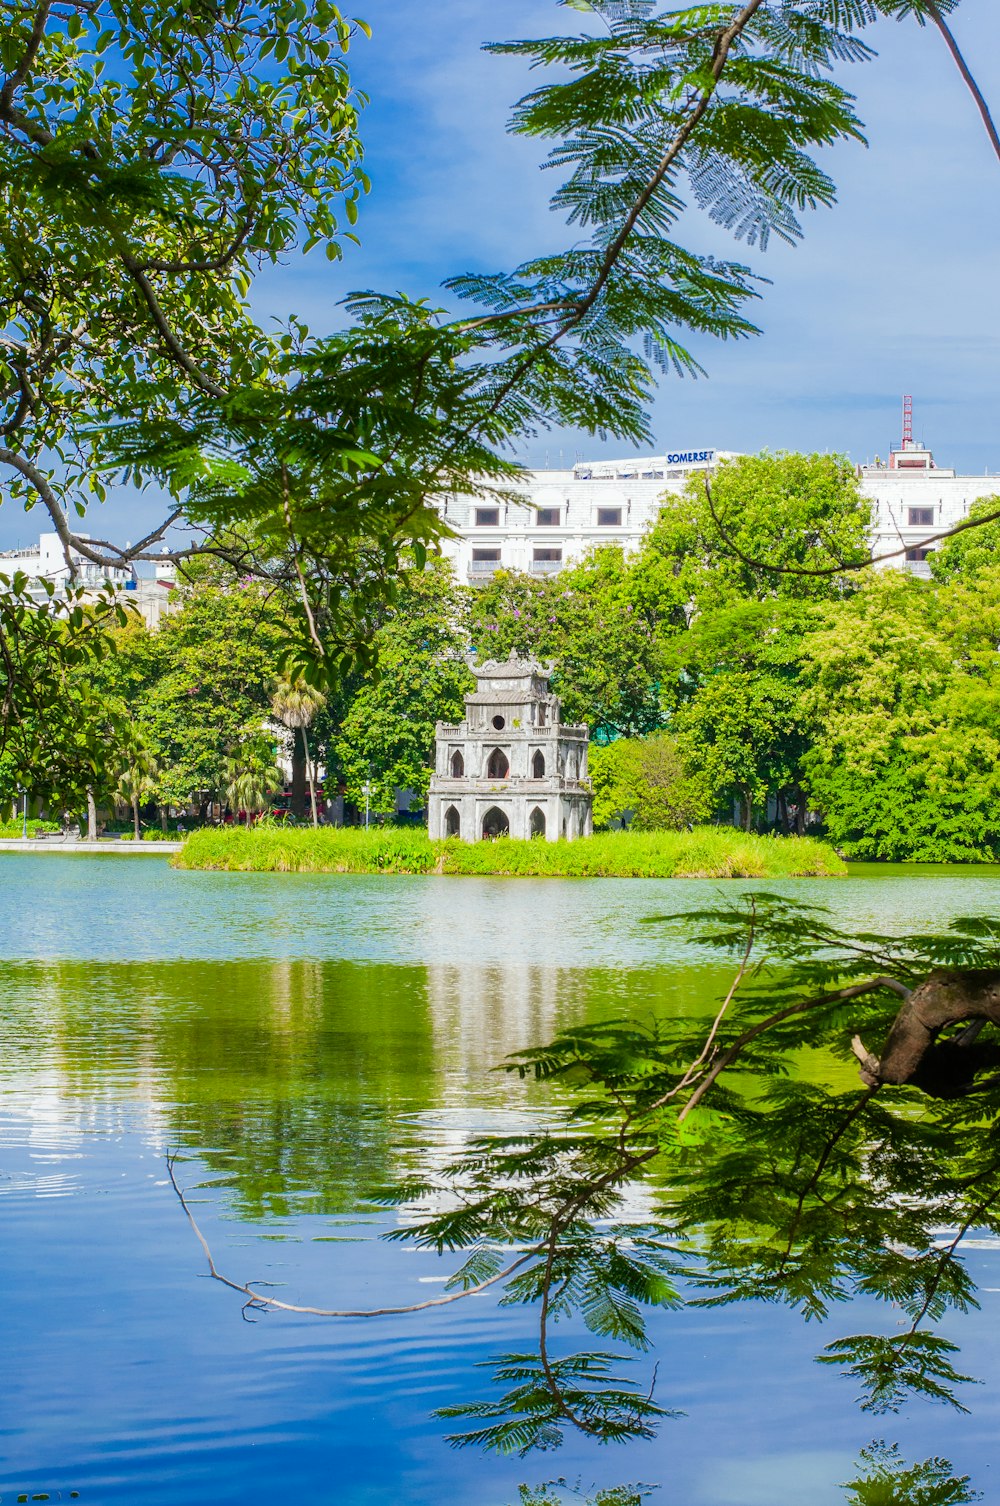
(907,422)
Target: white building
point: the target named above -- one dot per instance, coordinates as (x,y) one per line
(149,595)
(566,513)
(916,498)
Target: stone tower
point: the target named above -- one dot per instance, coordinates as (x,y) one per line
(511,768)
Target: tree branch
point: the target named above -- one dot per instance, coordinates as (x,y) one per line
(963,68)
(260,1300)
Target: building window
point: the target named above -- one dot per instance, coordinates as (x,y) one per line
(546,561)
(484,561)
(920,517)
(537,828)
(487,517)
(457,764)
(547,517)
(916,555)
(499,723)
(609,517)
(497,765)
(452,824)
(538,766)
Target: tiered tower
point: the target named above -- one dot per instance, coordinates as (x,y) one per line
(511,768)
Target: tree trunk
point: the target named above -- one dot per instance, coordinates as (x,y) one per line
(783,813)
(747,813)
(135,817)
(164,818)
(311,774)
(300,760)
(915,1051)
(91,815)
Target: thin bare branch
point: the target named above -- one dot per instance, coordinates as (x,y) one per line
(262,1300)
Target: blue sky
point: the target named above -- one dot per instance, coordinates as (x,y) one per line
(893,290)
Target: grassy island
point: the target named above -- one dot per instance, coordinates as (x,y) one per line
(706,852)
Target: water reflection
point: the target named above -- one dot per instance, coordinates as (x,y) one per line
(303,1043)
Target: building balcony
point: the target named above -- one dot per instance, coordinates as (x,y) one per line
(544,567)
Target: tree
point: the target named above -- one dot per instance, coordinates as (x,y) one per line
(888,1481)
(974,552)
(786,510)
(251,776)
(137,776)
(386,738)
(647,780)
(219,656)
(54,727)
(585,620)
(295,705)
(314,461)
(734,687)
(904,685)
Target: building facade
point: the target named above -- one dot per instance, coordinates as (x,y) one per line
(565,513)
(150,596)
(511,768)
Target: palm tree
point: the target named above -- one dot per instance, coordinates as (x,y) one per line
(251,778)
(295,705)
(137,777)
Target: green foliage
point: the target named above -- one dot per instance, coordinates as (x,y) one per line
(204,678)
(386,736)
(973,552)
(787,510)
(770,1175)
(36,828)
(888,1481)
(54,728)
(151,162)
(646,778)
(251,776)
(558,1492)
(586,622)
(904,682)
(706,852)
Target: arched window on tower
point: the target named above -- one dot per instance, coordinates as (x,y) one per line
(538,765)
(452,823)
(457,764)
(497,766)
(496,823)
(537,826)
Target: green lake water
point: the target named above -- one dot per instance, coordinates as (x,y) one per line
(300,1041)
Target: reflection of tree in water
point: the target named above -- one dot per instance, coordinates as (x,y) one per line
(286,1078)
(305,1085)
(883,1479)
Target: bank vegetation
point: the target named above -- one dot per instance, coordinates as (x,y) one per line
(704,852)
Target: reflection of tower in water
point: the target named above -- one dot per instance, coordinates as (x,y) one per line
(481,1013)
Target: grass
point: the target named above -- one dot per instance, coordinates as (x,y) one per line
(707,852)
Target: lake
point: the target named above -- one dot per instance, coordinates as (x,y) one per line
(300,1041)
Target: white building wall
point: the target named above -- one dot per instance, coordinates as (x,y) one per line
(618,502)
